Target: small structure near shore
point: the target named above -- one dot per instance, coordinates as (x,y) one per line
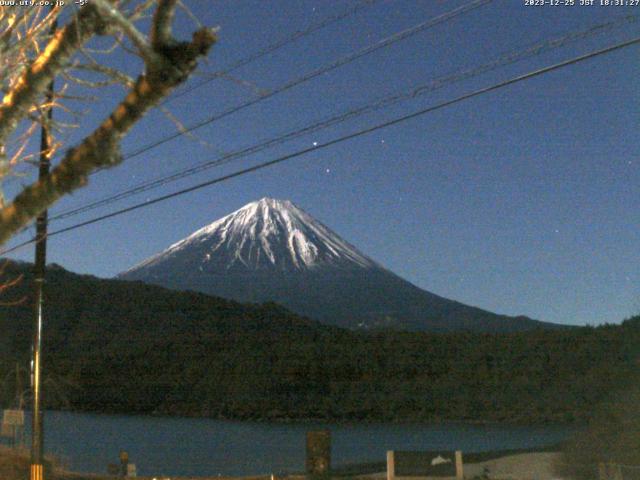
(318,462)
(402,464)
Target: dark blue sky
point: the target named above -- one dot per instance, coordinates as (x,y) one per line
(520,201)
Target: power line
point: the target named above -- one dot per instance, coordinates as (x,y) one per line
(446,80)
(403,34)
(385,42)
(315,73)
(275,46)
(271,48)
(341,139)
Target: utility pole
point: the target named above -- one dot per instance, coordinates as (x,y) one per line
(18,437)
(18,404)
(37,433)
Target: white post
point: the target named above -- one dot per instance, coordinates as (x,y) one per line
(391,465)
(459,470)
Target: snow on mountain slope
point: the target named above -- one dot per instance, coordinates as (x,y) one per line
(267,234)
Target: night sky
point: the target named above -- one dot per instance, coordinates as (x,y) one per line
(520,201)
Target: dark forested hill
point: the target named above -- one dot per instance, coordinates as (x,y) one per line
(119,346)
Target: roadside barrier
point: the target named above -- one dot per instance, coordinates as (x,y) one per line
(618,471)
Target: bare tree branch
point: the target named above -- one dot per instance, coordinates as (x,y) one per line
(161,30)
(113,15)
(141,10)
(11,47)
(50,62)
(37,58)
(114,76)
(176,61)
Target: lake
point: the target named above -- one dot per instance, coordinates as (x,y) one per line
(198,447)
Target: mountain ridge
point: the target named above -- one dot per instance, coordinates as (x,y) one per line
(309,243)
(271,250)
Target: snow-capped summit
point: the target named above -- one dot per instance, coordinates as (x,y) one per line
(271,250)
(268,234)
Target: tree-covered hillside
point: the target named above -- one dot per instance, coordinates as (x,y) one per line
(130,347)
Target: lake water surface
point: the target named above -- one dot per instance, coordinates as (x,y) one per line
(198,447)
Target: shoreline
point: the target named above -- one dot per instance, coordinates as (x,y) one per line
(518,464)
(486,446)
(332,421)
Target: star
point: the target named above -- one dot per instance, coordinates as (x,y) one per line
(315,144)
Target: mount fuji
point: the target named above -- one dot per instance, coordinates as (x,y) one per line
(271,250)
